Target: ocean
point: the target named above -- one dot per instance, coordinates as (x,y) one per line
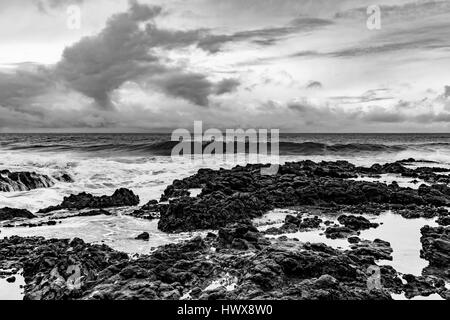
(101,163)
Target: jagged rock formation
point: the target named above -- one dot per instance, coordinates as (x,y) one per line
(23,181)
(120,198)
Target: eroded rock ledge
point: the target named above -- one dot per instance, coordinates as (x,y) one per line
(250,265)
(121,197)
(10,214)
(436,249)
(242,193)
(23,181)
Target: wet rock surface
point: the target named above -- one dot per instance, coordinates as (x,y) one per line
(339,232)
(244,193)
(143,236)
(239,262)
(23,181)
(444,221)
(295,224)
(436,249)
(423,286)
(151,210)
(260,269)
(356,223)
(11,213)
(120,198)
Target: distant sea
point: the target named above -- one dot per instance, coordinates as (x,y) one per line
(101,163)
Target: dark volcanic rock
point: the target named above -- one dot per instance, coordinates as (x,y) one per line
(377,249)
(310,223)
(143,236)
(64,177)
(443,221)
(336,232)
(23,181)
(353,240)
(11,279)
(151,210)
(240,237)
(422,286)
(63,269)
(356,223)
(94,213)
(242,193)
(120,198)
(9,213)
(295,224)
(436,249)
(209,212)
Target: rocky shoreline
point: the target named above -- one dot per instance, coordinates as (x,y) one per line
(241,262)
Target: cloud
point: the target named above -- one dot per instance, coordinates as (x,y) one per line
(265,36)
(413,10)
(314,85)
(45,6)
(447,91)
(19,89)
(95,66)
(124,51)
(386,47)
(324,113)
(227,86)
(130,49)
(193,87)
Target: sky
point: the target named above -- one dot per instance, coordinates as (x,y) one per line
(158,65)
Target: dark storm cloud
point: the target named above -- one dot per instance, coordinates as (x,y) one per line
(265,36)
(123,52)
(447,91)
(18,89)
(226,86)
(97,65)
(193,87)
(314,85)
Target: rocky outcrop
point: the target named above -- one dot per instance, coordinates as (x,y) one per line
(339,232)
(293,224)
(423,286)
(356,222)
(378,249)
(10,213)
(23,181)
(436,249)
(143,236)
(444,221)
(242,193)
(63,177)
(150,211)
(241,237)
(120,198)
(63,269)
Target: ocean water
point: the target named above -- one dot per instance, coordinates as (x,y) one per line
(101,163)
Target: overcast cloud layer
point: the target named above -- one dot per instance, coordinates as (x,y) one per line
(296,65)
